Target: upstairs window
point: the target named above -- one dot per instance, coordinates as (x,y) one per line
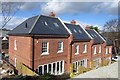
(100,49)
(94,50)
(106,50)
(60,46)
(84,48)
(110,50)
(76,49)
(45,48)
(15,45)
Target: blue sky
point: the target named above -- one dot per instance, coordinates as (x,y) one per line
(85,13)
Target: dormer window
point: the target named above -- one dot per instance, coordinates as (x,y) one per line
(79,31)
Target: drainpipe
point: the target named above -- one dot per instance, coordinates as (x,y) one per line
(33,52)
(71,52)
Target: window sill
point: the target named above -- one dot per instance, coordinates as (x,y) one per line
(85,52)
(76,53)
(45,54)
(59,51)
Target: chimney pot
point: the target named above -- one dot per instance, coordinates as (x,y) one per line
(52,14)
(73,22)
(87,27)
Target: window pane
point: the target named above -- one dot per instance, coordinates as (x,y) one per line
(40,70)
(49,68)
(57,67)
(44,47)
(54,68)
(61,65)
(60,46)
(45,69)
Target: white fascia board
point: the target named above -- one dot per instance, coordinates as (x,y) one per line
(65,26)
(100,35)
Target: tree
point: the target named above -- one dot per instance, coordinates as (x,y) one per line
(95,28)
(111,31)
(8,10)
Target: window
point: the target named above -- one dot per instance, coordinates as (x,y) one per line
(76,49)
(110,50)
(94,50)
(79,31)
(44,48)
(40,70)
(45,69)
(99,49)
(75,31)
(49,68)
(56,24)
(84,48)
(106,50)
(15,45)
(46,23)
(60,46)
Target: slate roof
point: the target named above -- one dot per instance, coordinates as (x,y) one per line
(96,37)
(40,25)
(78,33)
(109,42)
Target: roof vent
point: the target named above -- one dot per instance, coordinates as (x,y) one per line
(73,22)
(52,14)
(26,25)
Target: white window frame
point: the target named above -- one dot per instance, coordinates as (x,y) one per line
(95,49)
(47,52)
(85,48)
(76,47)
(100,48)
(15,44)
(61,50)
(60,72)
(106,50)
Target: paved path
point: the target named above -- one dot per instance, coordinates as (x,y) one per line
(110,71)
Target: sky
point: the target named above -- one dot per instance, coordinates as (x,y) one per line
(85,13)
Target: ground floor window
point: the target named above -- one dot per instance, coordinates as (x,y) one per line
(79,63)
(97,62)
(55,68)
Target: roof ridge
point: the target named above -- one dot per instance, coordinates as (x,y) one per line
(34,24)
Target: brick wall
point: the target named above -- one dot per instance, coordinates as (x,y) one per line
(23,52)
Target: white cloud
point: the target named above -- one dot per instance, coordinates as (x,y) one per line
(14,22)
(77,7)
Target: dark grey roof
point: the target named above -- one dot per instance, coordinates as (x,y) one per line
(78,33)
(109,42)
(96,37)
(41,25)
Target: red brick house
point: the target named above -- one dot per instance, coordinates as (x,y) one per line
(80,46)
(41,43)
(47,45)
(98,48)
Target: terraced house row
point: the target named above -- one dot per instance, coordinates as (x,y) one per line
(46,44)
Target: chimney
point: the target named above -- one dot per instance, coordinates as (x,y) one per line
(52,14)
(73,22)
(87,27)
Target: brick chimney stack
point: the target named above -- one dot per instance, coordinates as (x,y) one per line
(52,14)
(87,27)
(73,22)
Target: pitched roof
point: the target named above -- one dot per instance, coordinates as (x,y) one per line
(109,42)
(78,33)
(96,37)
(40,25)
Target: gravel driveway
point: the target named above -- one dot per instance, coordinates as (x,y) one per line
(110,71)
